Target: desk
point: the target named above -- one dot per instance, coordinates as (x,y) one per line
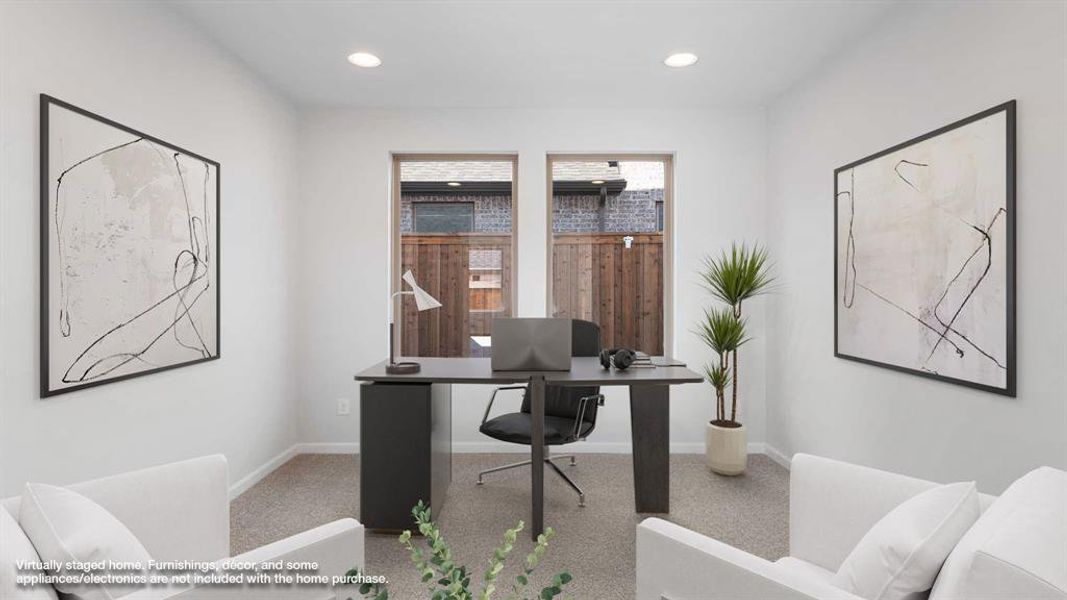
(649,423)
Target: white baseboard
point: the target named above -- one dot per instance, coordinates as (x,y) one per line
(775,454)
(586,448)
(698,448)
(328,448)
(242,485)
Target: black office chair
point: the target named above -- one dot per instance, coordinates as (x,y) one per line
(570,412)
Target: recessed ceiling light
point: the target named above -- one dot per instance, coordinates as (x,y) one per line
(453,184)
(597,182)
(364,59)
(681,59)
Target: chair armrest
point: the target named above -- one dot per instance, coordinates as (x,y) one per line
(336,547)
(179,511)
(832,504)
(583,403)
(489,406)
(675,563)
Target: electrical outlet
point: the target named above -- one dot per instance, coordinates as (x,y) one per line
(344,406)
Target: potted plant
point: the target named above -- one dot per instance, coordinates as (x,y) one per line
(732,278)
(446,580)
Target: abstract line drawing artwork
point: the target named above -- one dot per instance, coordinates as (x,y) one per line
(924,274)
(129,252)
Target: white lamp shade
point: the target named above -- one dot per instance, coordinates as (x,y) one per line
(423,300)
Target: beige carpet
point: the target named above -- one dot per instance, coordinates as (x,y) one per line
(595,543)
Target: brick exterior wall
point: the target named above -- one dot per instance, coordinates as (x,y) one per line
(576,213)
(632,210)
(628,211)
(492,214)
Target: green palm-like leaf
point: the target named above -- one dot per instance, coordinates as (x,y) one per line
(718,376)
(738,275)
(722,331)
(735,276)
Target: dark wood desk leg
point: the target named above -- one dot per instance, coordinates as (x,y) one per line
(537,455)
(650,429)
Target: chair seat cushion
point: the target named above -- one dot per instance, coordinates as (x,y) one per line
(518,427)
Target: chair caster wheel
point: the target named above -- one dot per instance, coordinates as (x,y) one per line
(479,482)
(581,500)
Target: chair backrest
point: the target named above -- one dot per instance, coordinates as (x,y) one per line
(563,401)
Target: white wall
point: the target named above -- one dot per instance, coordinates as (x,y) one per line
(142,66)
(304,307)
(344,255)
(929,65)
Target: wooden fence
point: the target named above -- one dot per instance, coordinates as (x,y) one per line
(597,278)
(441,263)
(594,277)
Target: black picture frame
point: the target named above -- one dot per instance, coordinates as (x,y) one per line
(46,102)
(1009,108)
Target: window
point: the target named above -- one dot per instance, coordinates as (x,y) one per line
(454,219)
(444,217)
(608,258)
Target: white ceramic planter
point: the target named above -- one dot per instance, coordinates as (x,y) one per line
(726,449)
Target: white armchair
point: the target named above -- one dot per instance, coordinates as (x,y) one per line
(831,506)
(181,511)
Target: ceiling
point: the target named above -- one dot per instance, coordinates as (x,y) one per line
(536,53)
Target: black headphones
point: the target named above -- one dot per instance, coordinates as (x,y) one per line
(620,358)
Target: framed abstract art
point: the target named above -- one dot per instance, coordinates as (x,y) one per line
(924,272)
(129,252)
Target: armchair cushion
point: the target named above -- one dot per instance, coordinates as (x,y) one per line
(66,527)
(518,428)
(1017,549)
(15,547)
(901,555)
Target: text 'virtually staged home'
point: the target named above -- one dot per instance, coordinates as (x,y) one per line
(533,300)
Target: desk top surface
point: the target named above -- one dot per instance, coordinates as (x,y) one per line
(584,371)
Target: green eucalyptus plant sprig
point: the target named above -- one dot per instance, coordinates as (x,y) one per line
(445,580)
(374,591)
(732,278)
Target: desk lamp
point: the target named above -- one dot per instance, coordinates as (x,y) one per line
(423,301)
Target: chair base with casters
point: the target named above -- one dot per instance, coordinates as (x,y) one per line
(548,461)
(570,412)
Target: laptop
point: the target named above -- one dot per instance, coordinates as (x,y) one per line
(523,344)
